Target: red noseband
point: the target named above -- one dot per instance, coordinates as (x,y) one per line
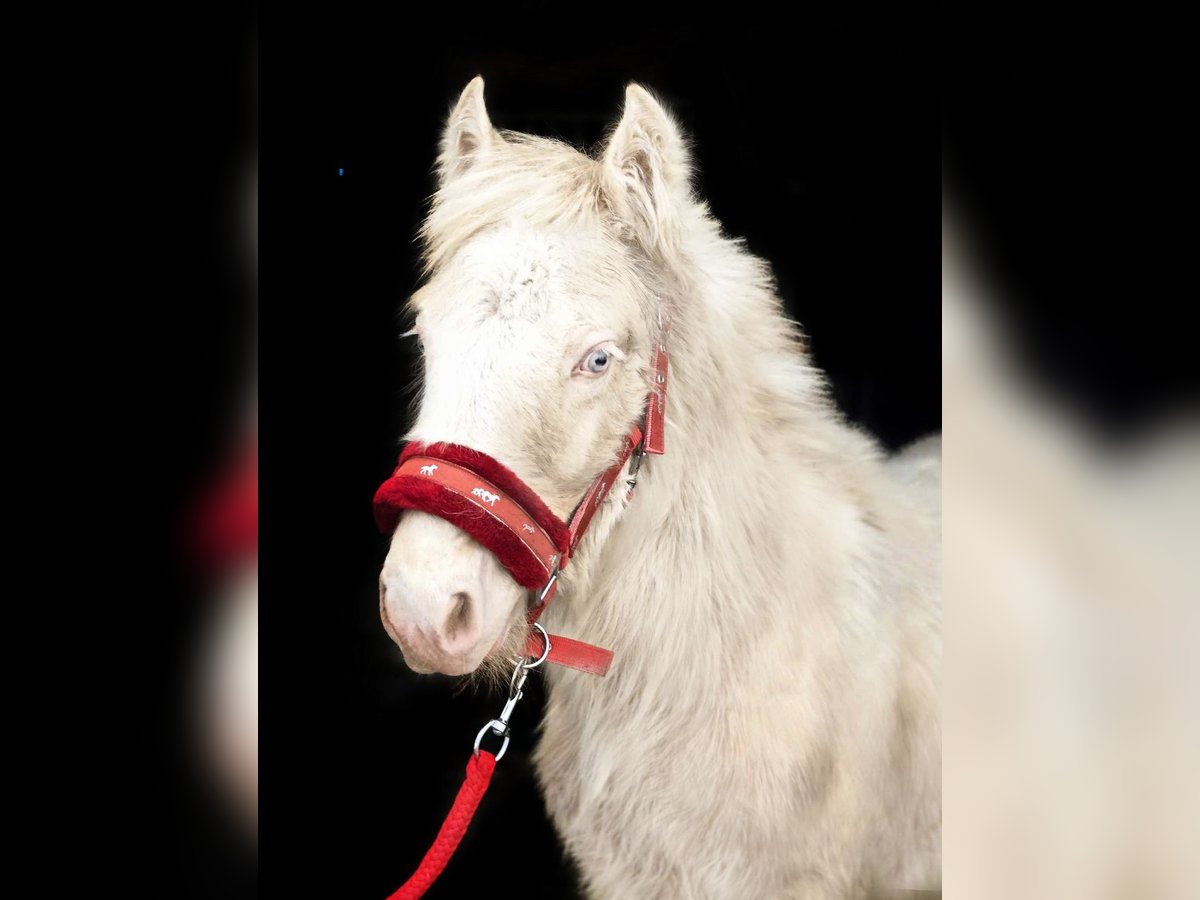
(484,498)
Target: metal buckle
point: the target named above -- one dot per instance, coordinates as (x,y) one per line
(635,466)
(499,725)
(544,591)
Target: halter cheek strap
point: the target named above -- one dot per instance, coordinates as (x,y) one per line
(484,498)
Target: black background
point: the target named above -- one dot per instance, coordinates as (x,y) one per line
(817,142)
(1070,157)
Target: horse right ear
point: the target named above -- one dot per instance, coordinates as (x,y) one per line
(647,170)
(468,136)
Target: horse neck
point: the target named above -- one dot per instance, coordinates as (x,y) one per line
(758,471)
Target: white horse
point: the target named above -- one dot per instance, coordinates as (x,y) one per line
(770,726)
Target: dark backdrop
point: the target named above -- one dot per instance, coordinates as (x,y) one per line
(816,141)
(1070,155)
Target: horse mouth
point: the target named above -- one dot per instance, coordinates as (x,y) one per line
(498,657)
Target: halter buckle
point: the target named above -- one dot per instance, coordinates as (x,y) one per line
(544,593)
(635,466)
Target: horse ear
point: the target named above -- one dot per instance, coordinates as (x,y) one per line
(469,135)
(647,170)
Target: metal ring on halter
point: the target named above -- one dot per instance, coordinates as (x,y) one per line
(545,649)
(499,728)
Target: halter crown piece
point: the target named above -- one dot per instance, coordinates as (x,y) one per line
(478,494)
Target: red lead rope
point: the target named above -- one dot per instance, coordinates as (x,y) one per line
(475,785)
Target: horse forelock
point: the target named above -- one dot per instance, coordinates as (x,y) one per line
(537,182)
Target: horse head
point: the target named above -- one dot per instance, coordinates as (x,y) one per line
(536,321)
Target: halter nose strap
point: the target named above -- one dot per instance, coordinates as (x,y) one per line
(484,498)
(488,501)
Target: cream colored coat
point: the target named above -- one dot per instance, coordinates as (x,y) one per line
(770,727)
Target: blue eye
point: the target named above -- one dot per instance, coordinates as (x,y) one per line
(596,361)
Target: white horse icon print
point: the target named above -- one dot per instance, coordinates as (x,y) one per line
(527,527)
(486,496)
(429,469)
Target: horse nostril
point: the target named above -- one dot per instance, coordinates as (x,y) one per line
(459,618)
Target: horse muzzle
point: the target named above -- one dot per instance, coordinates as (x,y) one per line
(443,598)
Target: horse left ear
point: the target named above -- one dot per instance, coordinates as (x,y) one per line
(647,170)
(468,136)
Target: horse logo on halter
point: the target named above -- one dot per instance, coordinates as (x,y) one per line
(486,496)
(429,469)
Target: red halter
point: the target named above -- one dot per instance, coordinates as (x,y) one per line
(478,494)
(473,491)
